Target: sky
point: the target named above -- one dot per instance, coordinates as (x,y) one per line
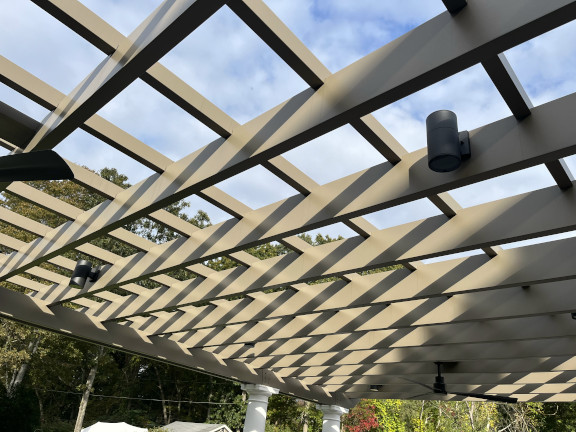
(227,63)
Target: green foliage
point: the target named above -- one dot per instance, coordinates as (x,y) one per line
(230,415)
(286,413)
(268,250)
(372,415)
(58,368)
(15,341)
(320,239)
(379,270)
(283,413)
(558,416)
(389,415)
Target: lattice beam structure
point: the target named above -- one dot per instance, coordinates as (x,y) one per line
(501,320)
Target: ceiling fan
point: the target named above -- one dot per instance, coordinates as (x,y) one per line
(18,129)
(439,387)
(39,165)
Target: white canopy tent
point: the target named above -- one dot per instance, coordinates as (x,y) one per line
(113,427)
(179,426)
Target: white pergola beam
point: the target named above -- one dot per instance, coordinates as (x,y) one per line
(496,366)
(69,322)
(438,236)
(556,347)
(170,23)
(502,320)
(301,123)
(504,146)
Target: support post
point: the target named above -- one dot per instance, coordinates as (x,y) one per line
(331,417)
(257,406)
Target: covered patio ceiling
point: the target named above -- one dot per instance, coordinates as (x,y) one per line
(500,320)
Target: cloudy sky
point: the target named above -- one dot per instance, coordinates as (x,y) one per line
(226,62)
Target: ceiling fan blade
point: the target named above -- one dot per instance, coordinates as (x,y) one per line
(419,383)
(494,398)
(420,395)
(40,165)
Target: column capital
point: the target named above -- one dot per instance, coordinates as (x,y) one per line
(332,412)
(259,392)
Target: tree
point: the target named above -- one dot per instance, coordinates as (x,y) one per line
(87,390)
(537,416)
(21,344)
(45,376)
(389,415)
(361,418)
(231,415)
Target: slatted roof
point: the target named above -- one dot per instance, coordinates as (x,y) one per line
(500,319)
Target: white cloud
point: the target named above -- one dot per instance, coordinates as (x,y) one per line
(123,15)
(256,187)
(42,45)
(216,215)
(334,155)
(334,231)
(85,150)
(545,65)
(227,63)
(340,32)
(149,116)
(22,103)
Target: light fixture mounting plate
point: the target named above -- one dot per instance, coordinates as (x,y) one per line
(464,138)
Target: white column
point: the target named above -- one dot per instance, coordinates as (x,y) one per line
(331,418)
(257,406)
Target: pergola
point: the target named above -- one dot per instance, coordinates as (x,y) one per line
(501,321)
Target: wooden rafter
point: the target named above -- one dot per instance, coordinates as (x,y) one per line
(503,317)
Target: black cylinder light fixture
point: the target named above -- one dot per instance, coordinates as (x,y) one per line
(82,272)
(447,147)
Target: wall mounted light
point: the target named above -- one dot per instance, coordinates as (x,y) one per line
(83,272)
(447,147)
(573,314)
(375,387)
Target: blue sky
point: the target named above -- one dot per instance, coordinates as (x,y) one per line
(226,62)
